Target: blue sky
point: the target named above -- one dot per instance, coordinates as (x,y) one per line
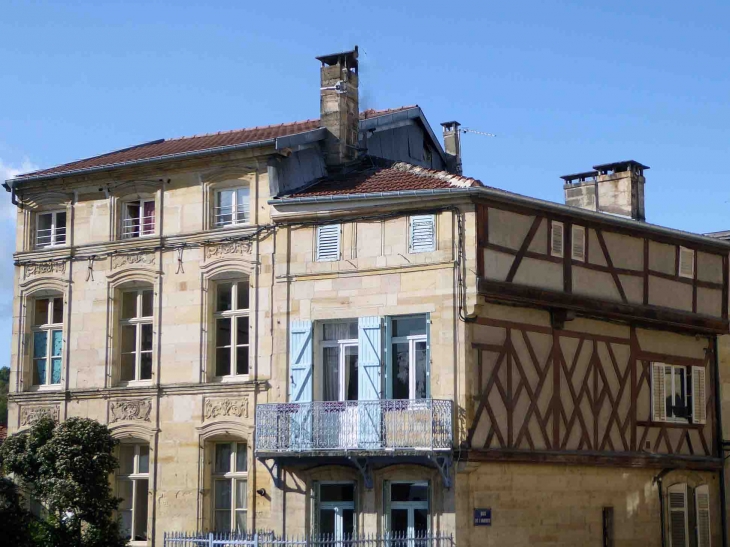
(564,85)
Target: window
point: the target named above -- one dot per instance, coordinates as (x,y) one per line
(231,328)
(702,509)
(230,470)
(608,527)
(232,207)
(678,521)
(688,520)
(339,361)
(579,243)
(328,243)
(686,267)
(422,234)
(138,218)
(50,229)
(678,394)
(47,331)
(136,335)
(132,487)
(335,514)
(556,239)
(408,357)
(407,510)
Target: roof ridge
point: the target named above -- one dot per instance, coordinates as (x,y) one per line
(242,129)
(452,178)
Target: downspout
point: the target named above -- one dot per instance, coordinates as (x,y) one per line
(658,480)
(720,443)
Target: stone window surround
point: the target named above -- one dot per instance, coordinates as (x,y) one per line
(239,282)
(124,192)
(228,179)
(136,476)
(47,202)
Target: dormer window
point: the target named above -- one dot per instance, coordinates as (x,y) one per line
(50,229)
(138,218)
(232,207)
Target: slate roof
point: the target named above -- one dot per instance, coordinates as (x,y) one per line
(163,148)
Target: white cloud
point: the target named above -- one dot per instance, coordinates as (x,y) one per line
(8,171)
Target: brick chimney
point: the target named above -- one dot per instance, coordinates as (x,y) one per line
(339,106)
(452,145)
(616,188)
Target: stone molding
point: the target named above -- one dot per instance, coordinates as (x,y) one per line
(31,414)
(133,259)
(130,409)
(43,268)
(217,407)
(228,248)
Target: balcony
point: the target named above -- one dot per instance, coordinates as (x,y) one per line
(357,428)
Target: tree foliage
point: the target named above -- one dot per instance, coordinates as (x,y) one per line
(66,467)
(4,381)
(15,520)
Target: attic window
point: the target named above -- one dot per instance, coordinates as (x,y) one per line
(556,239)
(686,267)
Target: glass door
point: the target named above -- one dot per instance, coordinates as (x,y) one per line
(336,511)
(408,359)
(408,512)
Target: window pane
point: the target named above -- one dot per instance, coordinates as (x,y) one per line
(327,522)
(399,521)
(348,522)
(421,370)
(401,371)
(240,521)
(129,304)
(337,492)
(242,208)
(126,459)
(223,332)
(242,360)
(148,219)
(242,290)
(351,373)
(224,208)
(126,372)
(56,343)
(40,344)
(223,494)
(223,361)
(39,372)
(146,341)
(223,521)
(145,367)
(60,228)
(408,492)
(129,338)
(340,331)
(409,326)
(148,298)
(223,300)
(124,491)
(680,393)
(140,511)
(58,310)
(241,460)
(420,521)
(43,237)
(223,458)
(126,517)
(242,334)
(144,459)
(241,502)
(40,317)
(331,370)
(56,371)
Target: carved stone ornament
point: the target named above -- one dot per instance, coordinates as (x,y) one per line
(130,409)
(43,268)
(234,247)
(119,261)
(31,414)
(219,408)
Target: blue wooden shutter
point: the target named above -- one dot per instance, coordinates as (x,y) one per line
(300,362)
(369,382)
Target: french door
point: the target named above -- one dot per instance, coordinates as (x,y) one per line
(338,424)
(408,510)
(408,358)
(336,511)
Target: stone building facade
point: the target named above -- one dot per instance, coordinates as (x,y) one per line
(323,327)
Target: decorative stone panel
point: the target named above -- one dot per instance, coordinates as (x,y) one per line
(145,259)
(229,248)
(130,410)
(31,414)
(224,407)
(45,268)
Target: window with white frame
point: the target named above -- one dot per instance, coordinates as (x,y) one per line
(138,218)
(688,518)
(328,243)
(132,487)
(421,233)
(232,207)
(678,393)
(230,495)
(231,328)
(50,229)
(136,335)
(408,358)
(339,361)
(47,328)
(407,509)
(335,516)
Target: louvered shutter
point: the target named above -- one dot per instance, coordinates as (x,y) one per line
(702,508)
(686,262)
(699,400)
(579,243)
(678,536)
(328,242)
(422,236)
(658,393)
(556,239)
(370,356)
(300,384)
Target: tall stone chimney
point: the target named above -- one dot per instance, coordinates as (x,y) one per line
(452,145)
(339,105)
(616,188)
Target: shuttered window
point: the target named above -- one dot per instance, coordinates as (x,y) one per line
(677,504)
(328,243)
(556,239)
(699,406)
(579,243)
(702,508)
(422,234)
(658,397)
(686,266)
(678,394)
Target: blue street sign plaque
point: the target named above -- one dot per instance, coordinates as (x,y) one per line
(482,517)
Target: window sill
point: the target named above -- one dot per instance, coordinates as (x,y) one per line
(135,383)
(240,378)
(49,247)
(232,225)
(671,424)
(46,387)
(132,238)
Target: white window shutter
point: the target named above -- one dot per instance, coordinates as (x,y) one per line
(678,536)
(702,507)
(556,239)
(686,262)
(658,394)
(579,243)
(328,243)
(422,234)
(699,396)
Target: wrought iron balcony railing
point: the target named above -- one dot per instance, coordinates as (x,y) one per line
(366,426)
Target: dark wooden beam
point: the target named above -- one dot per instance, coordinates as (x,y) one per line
(523,249)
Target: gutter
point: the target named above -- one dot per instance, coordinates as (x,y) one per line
(506,197)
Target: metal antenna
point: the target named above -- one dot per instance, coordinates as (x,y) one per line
(467,130)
